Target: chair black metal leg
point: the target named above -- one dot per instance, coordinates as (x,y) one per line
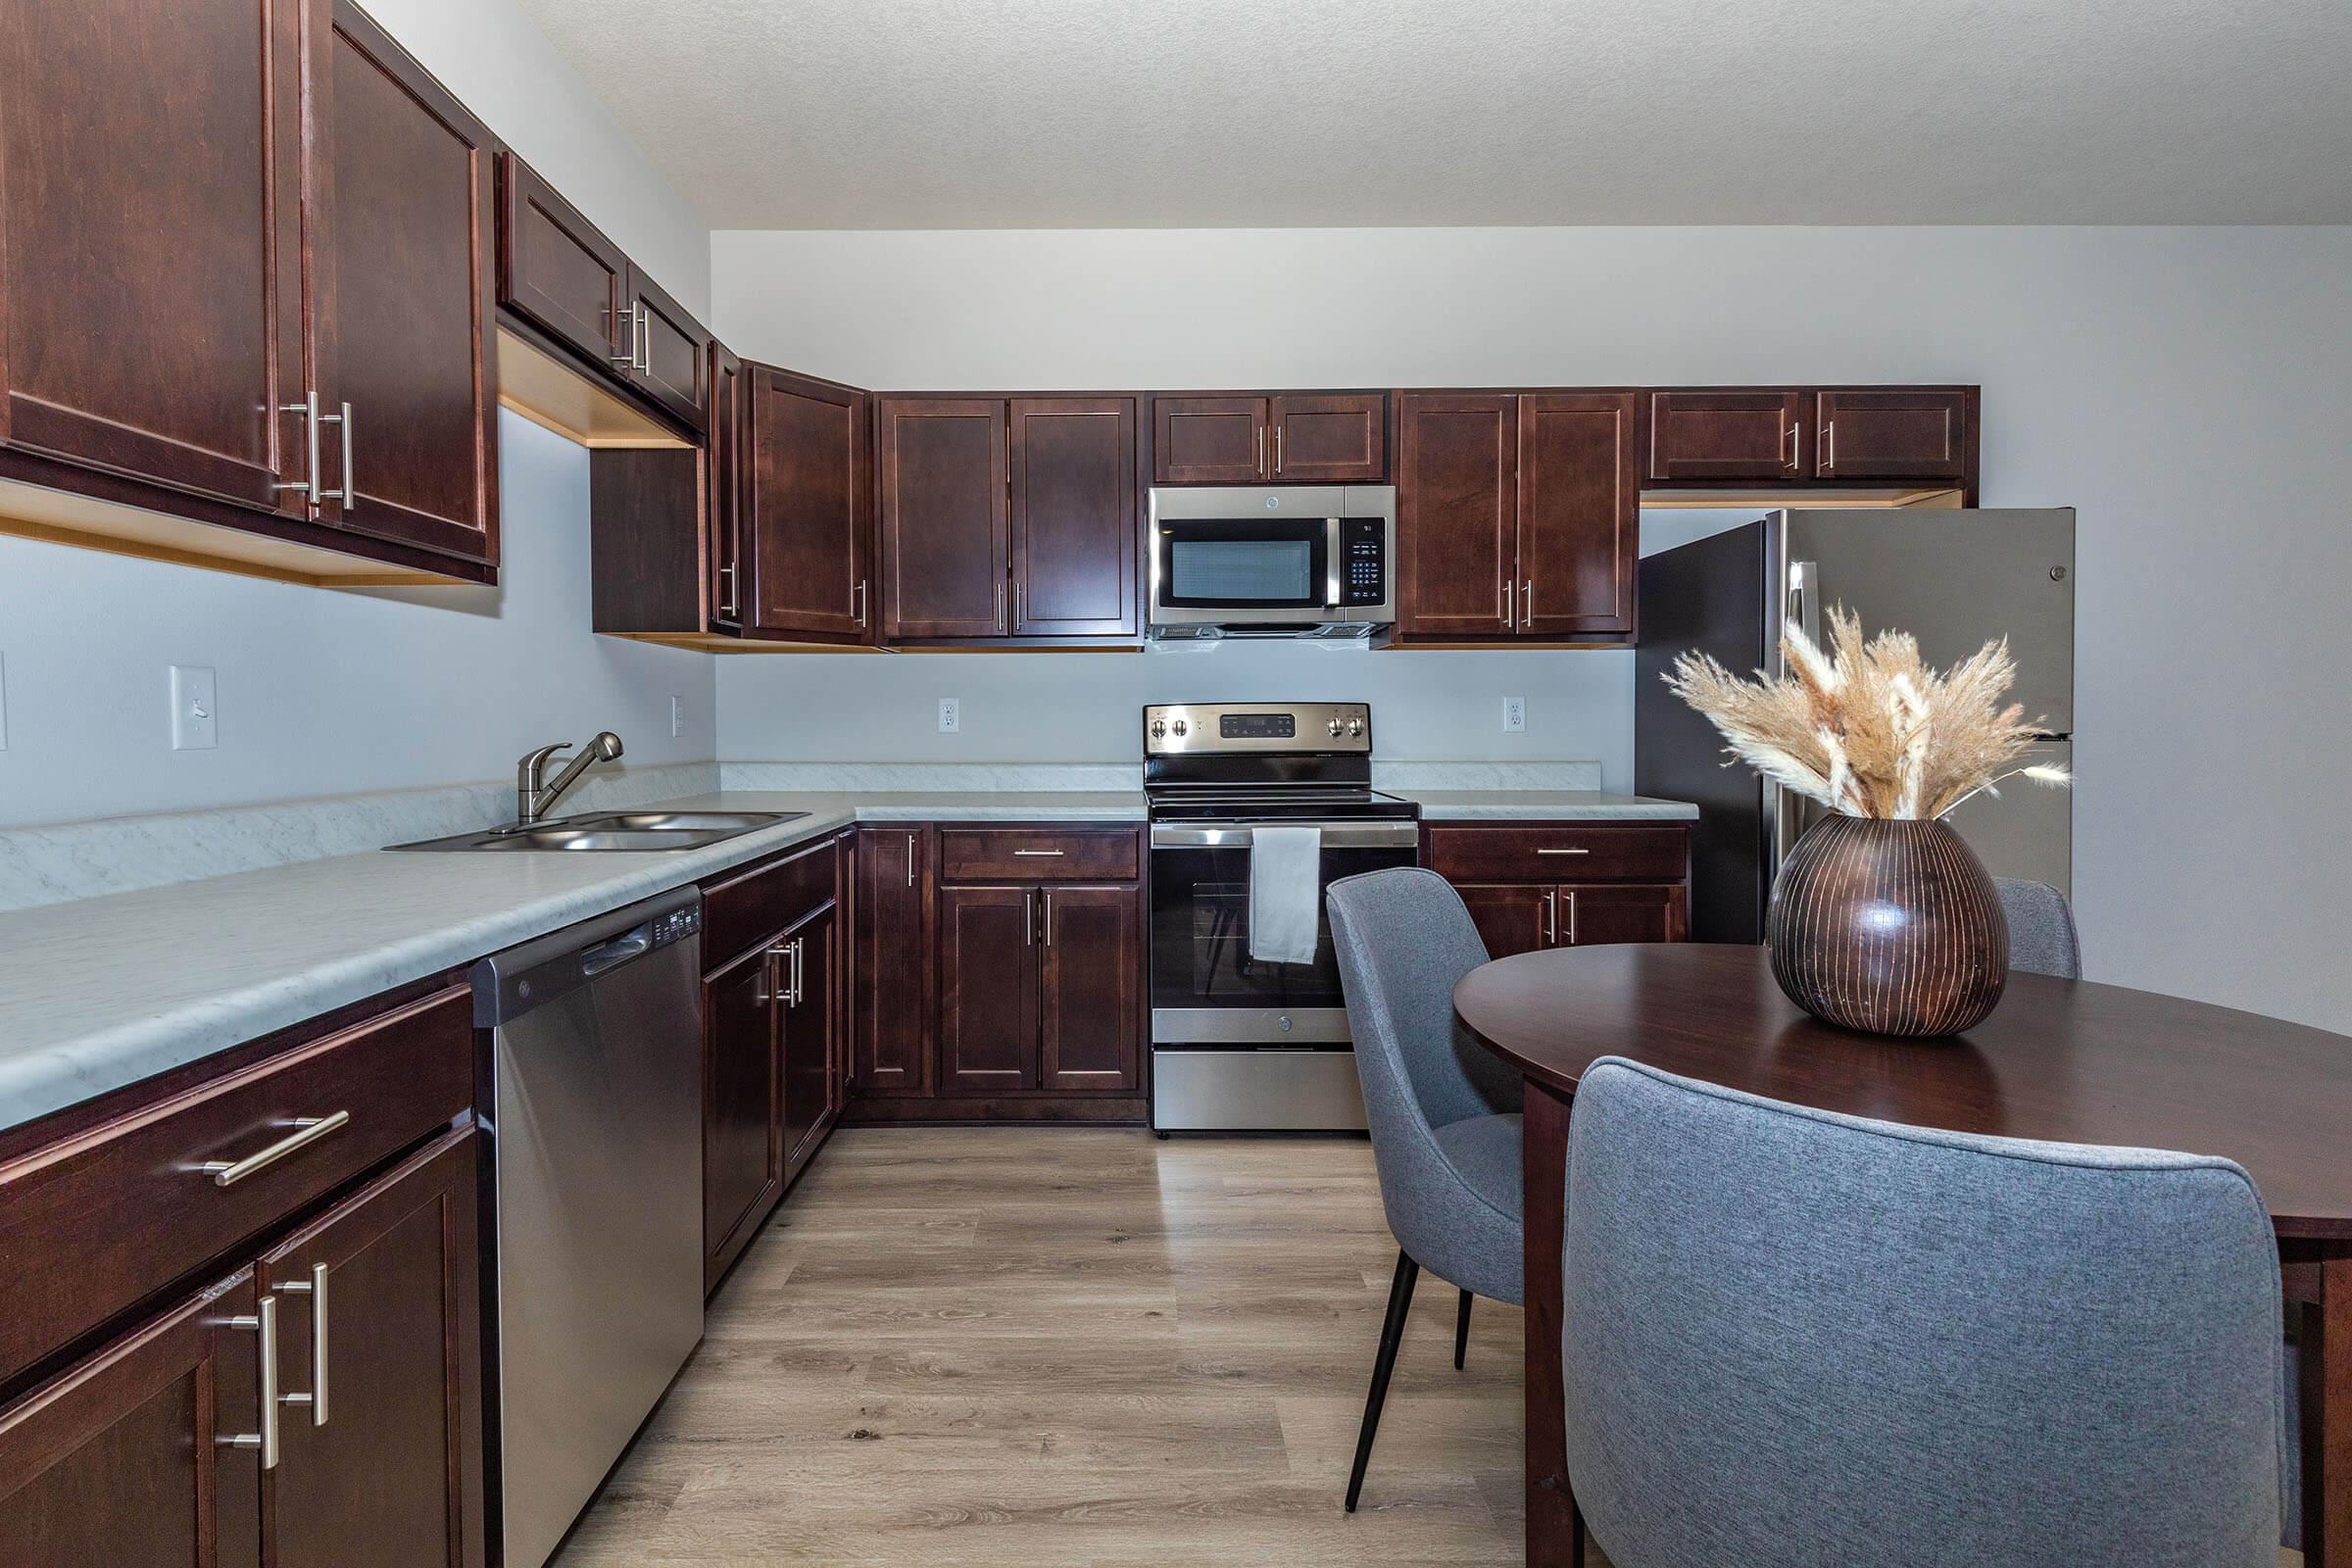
(1462,1330)
(1401,1301)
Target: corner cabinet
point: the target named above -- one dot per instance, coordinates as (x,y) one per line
(998,974)
(806,550)
(1009,518)
(1518,517)
(254,307)
(1534,885)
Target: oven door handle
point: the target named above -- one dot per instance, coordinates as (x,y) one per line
(1336,835)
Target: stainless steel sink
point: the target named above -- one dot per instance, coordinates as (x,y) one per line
(615,831)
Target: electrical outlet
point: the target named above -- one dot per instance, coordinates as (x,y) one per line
(677,717)
(951,715)
(195,714)
(1514,713)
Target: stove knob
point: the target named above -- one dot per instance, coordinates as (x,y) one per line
(1334,727)
(1355,728)
(1179,726)
(1160,727)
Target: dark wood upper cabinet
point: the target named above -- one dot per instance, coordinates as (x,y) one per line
(946,533)
(1090,1004)
(1578,514)
(1073,523)
(723,504)
(152,320)
(742,1147)
(1458,513)
(1726,433)
(1330,440)
(394,1471)
(1892,434)
(1208,440)
(558,272)
(673,354)
(988,980)
(804,530)
(405,326)
(893,962)
(121,1459)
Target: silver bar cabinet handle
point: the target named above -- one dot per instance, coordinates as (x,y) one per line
(264,1323)
(910,860)
(343,421)
(1020,606)
(1572,917)
(628,361)
(999,603)
(1790,437)
(1563,852)
(308,1130)
(772,985)
(1510,606)
(315,1289)
(1047,894)
(1261,449)
(1028,920)
(1828,441)
(1527,618)
(645,344)
(1551,915)
(1043,854)
(799,975)
(350,486)
(1278,449)
(726,606)
(308,408)
(857,598)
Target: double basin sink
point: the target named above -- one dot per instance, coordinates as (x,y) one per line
(615,830)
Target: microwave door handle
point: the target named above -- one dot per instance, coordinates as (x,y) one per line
(1330,563)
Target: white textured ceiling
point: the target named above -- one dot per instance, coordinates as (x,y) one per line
(1015,114)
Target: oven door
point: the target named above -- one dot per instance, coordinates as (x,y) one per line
(1206,987)
(1244,570)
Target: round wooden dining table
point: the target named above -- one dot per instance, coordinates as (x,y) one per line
(2067,1062)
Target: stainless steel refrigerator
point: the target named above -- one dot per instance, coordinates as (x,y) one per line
(1952,578)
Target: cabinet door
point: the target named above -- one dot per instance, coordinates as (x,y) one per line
(555,267)
(806,1022)
(1918,433)
(1208,440)
(723,468)
(945,539)
(1579,511)
(403,226)
(1511,916)
(1458,510)
(806,536)
(893,962)
(119,1460)
(743,1145)
(1725,434)
(1330,440)
(987,990)
(673,354)
(151,321)
(1072,463)
(1090,964)
(1590,915)
(390,1470)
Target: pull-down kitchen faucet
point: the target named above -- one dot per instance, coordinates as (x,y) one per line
(534,798)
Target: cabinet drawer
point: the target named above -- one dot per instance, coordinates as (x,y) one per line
(1571,852)
(92,1225)
(1037,855)
(756,905)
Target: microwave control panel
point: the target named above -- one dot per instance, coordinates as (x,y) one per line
(1363,562)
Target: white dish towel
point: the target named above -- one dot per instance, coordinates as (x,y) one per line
(1284,893)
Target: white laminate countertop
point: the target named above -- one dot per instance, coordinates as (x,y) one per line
(96,993)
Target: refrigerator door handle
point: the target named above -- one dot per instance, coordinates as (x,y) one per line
(1804,598)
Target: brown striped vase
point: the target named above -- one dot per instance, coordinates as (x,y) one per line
(1890,927)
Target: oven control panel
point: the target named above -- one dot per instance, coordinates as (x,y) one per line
(1209,728)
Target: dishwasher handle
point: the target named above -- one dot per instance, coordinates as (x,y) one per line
(524,979)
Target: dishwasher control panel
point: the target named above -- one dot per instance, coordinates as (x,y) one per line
(676,925)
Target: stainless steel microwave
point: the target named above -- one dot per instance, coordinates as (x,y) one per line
(1294,561)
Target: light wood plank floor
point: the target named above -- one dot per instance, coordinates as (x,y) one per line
(1044,1347)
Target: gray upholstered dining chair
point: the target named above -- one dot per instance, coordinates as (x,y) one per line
(2042,928)
(1443,1109)
(1793,1338)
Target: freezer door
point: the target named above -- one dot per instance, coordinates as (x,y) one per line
(2029,831)
(1955,580)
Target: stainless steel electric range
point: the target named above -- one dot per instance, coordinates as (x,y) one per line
(1239,1044)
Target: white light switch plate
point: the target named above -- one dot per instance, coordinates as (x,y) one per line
(1514,713)
(951,715)
(195,714)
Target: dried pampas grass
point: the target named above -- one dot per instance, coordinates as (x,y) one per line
(1867,730)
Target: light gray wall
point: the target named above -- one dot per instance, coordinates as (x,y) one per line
(2187,390)
(497,62)
(326,692)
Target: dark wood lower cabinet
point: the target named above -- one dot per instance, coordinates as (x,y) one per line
(987,990)
(1511,916)
(806,1019)
(894,987)
(1090,987)
(121,1460)
(1634,881)
(394,1473)
(1523,918)
(743,1147)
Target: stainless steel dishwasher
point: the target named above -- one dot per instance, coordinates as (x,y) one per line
(596,1119)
